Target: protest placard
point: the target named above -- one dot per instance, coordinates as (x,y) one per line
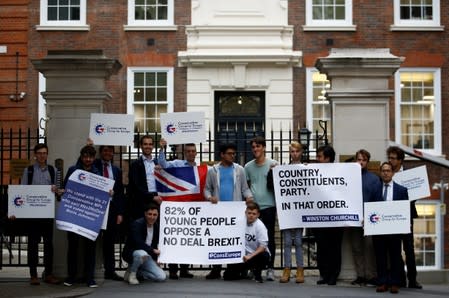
(387,217)
(84,203)
(111,129)
(202,233)
(31,201)
(183,127)
(318,195)
(416,181)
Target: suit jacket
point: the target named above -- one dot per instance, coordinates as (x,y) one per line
(136,240)
(138,188)
(117,206)
(399,192)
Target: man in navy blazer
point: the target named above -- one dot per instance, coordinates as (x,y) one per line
(142,185)
(141,248)
(389,246)
(116,210)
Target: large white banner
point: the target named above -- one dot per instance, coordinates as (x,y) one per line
(31,201)
(387,217)
(183,127)
(84,204)
(416,181)
(318,195)
(111,129)
(202,232)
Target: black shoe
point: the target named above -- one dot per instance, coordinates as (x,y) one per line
(414,285)
(322,281)
(185,274)
(173,275)
(213,274)
(113,276)
(332,281)
(372,282)
(358,281)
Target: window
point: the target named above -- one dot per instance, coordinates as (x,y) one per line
(418,109)
(427,235)
(150,92)
(318,107)
(329,15)
(63,15)
(150,15)
(417,15)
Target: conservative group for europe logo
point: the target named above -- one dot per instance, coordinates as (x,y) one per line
(170,128)
(19,201)
(100,129)
(82,177)
(374,218)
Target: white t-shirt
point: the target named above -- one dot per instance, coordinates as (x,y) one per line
(256,235)
(149,239)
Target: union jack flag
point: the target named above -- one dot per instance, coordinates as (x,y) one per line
(182,184)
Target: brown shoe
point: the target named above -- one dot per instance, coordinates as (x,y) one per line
(51,279)
(381,289)
(394,289)
(34,281)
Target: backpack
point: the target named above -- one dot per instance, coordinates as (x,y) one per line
(51,170)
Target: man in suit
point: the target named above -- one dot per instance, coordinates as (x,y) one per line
(142,185)
(388,247)
(396,158)
(116,210)
(141,248)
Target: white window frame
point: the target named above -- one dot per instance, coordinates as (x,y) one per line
(77,25)
(309,103)
(329,25)
(438,234)
(130,87)
(417,25)
(437,107)
(150,25)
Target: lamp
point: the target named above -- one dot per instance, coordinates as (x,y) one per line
(18,96)
(304,139)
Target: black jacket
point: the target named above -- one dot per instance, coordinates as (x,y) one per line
(136,240)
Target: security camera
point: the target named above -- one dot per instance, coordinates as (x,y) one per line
(22,94)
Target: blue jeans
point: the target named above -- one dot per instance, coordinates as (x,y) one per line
(289,235)
(144,265)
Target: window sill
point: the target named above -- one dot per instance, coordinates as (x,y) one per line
(416,28)
(329,28)
(63,28)
(150,28)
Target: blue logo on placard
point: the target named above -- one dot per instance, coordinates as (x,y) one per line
(82,177)
(374,218)
(171,128)
(19,202)
(100,129)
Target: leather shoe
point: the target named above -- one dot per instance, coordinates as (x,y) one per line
(394,289)
(51,279)
(113,276)
(414,285)
(173,275)
(213,274)
(381,289)
(322,281)
(34,281)
(358,281)
(185,274)
(332,281)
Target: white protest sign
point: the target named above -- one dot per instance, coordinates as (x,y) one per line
(416,181)
(387,217)
(111,129)
(202,232)
(184,127)
(31,201)
(318,195)
(84,204)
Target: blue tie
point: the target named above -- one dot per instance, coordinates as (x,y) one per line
(385,191)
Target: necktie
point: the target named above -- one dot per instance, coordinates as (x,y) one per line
(385,191)
(105,170)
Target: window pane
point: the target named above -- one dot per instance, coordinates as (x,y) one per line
(162,108)
(139,2)
(138,79)
(75,2)
(139,13)
(150,112)
(339,13)
(162,13)
(150,79)
(162,79)
(161,94)
(138,94)
(151,13)
(64,2)
(74,14)
(139,111)
(52,14)
(52,2)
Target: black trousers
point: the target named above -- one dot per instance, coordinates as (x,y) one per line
(257,263)
(328,242)
(72,256)
(268,217)
(109,237)
(173,268)
(409,248)
(37,229)
(388,247)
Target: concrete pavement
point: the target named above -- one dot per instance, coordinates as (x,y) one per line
(14,283)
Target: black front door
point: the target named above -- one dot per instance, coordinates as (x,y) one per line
(239,116)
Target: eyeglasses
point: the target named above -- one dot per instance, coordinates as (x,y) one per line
(231,153)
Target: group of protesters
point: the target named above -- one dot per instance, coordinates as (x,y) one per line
(225,181)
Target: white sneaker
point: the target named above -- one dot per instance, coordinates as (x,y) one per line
(270,275)
(126,275)
(133,279)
